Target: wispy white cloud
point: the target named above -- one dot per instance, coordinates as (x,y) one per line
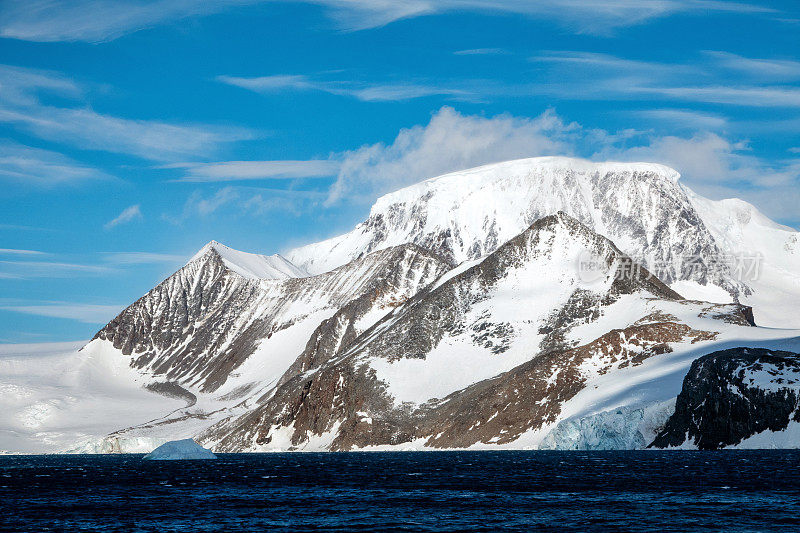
(684,118)
(708,80)
(198,204)
(81,126)
(707,158)
(141,258)
(94,20)
(88,313)
(763,69)
(398,92)
(266,84)
(22,85)
(610,63)
(255,170)
(721,94)
(128,214)
(19,269)
(366,92)
(247,201)
(23,264)
(451,141)
(481,52)
(34,166)
(12,251)
(103,20)
(148,139)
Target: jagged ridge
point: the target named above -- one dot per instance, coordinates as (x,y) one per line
(204,321)
(468,214)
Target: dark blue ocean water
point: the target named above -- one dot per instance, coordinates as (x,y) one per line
(428,491)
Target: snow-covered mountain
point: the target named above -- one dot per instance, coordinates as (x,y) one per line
(495,353)
(503,306)
(468,214)
(199,326)
(688,241)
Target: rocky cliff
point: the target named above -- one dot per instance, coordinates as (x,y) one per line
(730,395)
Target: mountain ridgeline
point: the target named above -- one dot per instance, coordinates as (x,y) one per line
(525,304)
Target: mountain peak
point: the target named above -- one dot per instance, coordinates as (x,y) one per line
(467,214)
(252,266)
(562,163)
(529,173)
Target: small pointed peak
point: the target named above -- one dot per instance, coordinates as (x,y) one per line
(250,265)
(216,245)
(210,245)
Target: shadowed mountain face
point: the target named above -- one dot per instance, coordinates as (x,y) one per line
(483,355)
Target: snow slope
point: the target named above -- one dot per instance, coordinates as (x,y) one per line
(253,266)
(773,251)
(502,324)
(54,396)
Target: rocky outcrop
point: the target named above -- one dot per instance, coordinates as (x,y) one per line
(730,395)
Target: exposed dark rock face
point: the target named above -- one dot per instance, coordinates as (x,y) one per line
(172,390)
(493,411)
(194,326)
(204,321)
(741,315)
(500,409)
(730,395)
(332,398)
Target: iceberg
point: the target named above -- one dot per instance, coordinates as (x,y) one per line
(176,450)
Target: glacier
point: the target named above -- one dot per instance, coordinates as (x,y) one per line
(624,428)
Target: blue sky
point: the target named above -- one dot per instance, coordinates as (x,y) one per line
(132,132)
